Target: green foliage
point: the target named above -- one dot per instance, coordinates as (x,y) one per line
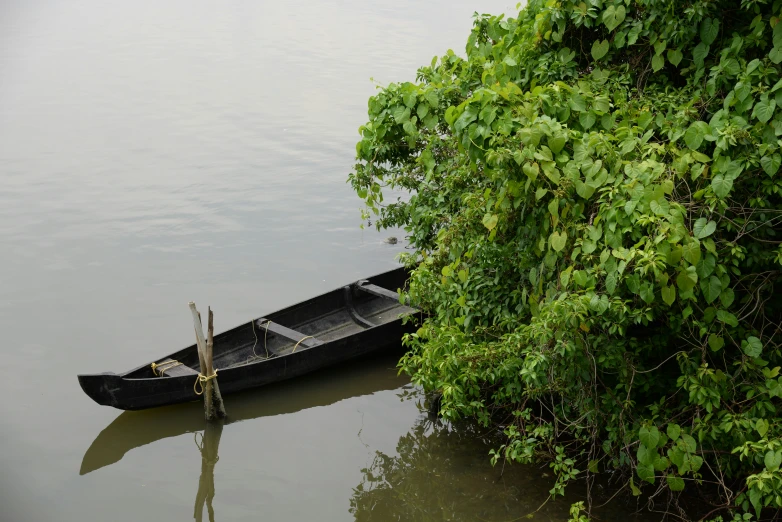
(595,208)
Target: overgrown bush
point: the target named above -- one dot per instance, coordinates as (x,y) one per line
(595,219)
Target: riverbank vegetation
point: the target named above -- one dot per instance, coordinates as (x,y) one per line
(596,221)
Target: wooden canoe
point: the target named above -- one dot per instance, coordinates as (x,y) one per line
(355,320)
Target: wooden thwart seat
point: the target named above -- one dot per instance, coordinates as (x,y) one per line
(172,368)
(292,335)
(377,290)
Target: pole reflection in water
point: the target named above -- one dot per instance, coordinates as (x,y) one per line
(210,443)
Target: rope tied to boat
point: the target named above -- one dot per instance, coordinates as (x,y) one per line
(265,333)
(298,343)
(201,380)
(164,366)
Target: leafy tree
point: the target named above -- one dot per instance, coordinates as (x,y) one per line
(594,212)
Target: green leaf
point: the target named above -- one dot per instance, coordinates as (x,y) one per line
(721,185)
(611,281)
(401,114)
(727,318)
(668,294)
(636,491)
(752,347)
(726,297)
(647,292)
(677,456)
(703,229)
(550,170)
(450,115)
(716,342)
(564,276)
(695,133)
(710,27)
(593,466)
(577,103)
(558,240)
(613,16)
(490,221)
(691,251)
(553,208)
(689,443)
(540,193)
(660,207)
(700,53)
(556,143)
(673,431)
(771,163)
(772,460)
(764,110)
(647,456)
(775,55)
(711,288)
(645,473)
(649,436)
(675,56)
(599,49)
(674,483)
(687,279)
(531,170)
(587,119)
(584,190)
(762,427)
(657,62)
(706,266)
(462,276)
(602,104)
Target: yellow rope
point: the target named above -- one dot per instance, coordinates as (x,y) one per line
(298,343)
(201,380)
(265,333)
(164,366)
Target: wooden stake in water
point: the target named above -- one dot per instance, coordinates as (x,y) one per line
(213,400)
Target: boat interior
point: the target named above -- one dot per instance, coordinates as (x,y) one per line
(319,320)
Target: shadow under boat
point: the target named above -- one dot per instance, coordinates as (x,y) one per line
(133,429)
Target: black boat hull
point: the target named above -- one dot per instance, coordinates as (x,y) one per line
(132,391)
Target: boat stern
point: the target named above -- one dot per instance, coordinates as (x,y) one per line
(101,387)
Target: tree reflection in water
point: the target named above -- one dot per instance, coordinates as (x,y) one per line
(442,472)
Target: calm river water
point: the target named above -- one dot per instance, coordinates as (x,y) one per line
(153,153)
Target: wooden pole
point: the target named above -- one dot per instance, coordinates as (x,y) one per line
(213,401)
(213,389)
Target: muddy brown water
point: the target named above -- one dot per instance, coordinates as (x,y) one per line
(153,153)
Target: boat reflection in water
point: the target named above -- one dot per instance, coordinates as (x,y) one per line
(134,429)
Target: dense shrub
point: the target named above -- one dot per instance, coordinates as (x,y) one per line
(594,213)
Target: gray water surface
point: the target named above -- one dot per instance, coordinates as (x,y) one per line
(157,152)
